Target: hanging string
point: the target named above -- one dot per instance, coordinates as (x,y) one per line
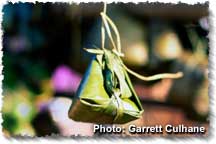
(102,29)
(106,22)
(113,26)
(154,77)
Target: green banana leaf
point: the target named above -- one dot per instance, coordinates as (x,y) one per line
(105,94)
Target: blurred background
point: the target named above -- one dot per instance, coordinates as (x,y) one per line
(44,61)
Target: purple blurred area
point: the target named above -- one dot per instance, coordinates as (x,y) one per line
(64,79)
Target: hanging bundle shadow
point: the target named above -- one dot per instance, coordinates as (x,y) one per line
(105,94)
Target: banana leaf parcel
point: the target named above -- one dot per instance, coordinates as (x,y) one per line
(106,94)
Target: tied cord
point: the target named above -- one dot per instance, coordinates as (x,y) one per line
(117,49)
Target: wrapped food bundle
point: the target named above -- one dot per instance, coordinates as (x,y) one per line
(105,94)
